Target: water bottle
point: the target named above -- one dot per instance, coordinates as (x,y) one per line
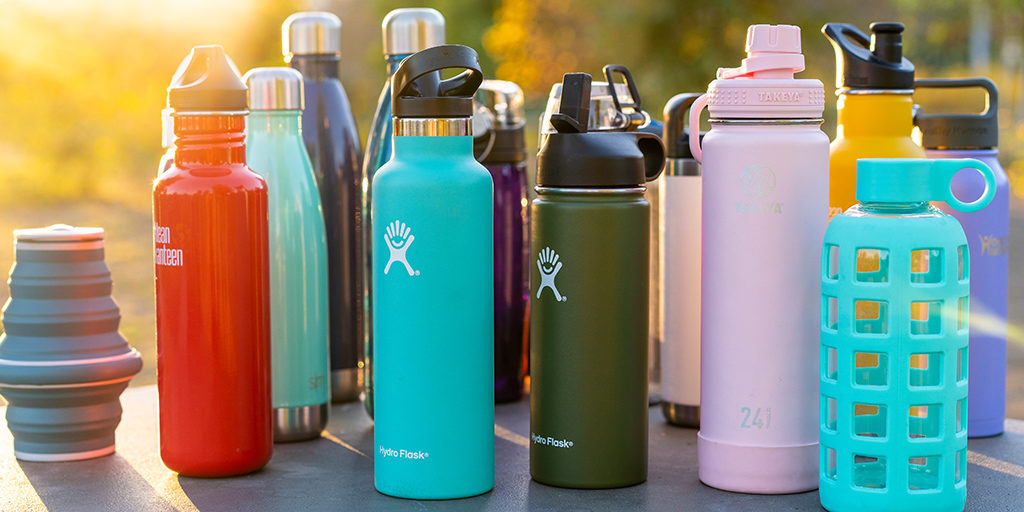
(589,295)
(765,207)
(893,406)
(298,254)
(875,85)
(680,266)
(63,363)
(433,289)
(505,158)
(406,31)
(312,45)
(166,140)
(212,279)
(616,105)
(988,238)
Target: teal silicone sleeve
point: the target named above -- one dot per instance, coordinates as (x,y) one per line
(298,260)
(433,321)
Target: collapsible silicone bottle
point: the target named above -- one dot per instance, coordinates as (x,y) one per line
(875,85)
(212,280)
(765,207)
(63,363)
(616,105)
(298,254)
(506,160)
(312,45)
(433,289)
(588,316)
(988,238)
(406,31)
(680,266)
(894,337)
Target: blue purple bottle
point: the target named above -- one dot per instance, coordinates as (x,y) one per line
(977,136)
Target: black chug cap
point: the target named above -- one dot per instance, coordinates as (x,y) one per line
(207,81)
(960,131)
(417,91)
(875,63)
(676,134)
(574,158)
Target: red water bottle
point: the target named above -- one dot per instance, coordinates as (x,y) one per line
(212,300)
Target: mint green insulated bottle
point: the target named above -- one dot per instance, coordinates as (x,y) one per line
(895,291)
(298,254)
(433,281)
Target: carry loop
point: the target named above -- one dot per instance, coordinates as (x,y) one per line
(635,117)
(943,190)
(654,154)
(418,93)
(695,110)
(959,131)
(676,132)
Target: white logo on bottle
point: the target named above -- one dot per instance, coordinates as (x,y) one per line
(398,239)
(548,264)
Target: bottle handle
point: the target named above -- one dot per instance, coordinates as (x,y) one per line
(841,34)
(654,154)
(695,110)
(991,94)
(635,117)
(437,58)
(947,168)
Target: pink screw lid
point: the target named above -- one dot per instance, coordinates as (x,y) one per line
(763,86)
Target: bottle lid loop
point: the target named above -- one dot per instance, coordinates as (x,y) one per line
(913,180)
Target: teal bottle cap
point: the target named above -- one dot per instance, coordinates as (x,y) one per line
(915,180)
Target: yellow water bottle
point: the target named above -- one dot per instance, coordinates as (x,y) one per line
(875,88)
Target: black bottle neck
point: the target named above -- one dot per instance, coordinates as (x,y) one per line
(317,67)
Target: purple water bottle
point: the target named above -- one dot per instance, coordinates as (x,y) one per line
(988,230)
(502,150)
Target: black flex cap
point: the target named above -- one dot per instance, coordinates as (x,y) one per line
(960,131)
(207,81)
(875,63)
(509,146)
(574,158)
(676,134)
(417,91)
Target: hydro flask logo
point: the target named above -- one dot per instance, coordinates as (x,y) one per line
(398,239)
(757,181)
(548,264)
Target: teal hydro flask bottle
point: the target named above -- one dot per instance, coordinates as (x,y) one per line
(894,299)
(298,254)
(433,293)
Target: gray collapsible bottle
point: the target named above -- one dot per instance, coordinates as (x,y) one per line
(63,363)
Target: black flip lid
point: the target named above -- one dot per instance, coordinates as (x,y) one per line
(875,63)
(574,158)
(207,81)
(960,131)
(677,136)
(416,90)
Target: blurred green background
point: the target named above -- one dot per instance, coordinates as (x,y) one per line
(82,83)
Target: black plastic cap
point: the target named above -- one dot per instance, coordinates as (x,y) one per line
(960,131)
(676,134)
(207,81)
(509,146)
(575,158)
(417,91)
(874,62)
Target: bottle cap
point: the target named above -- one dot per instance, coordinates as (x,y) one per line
(763,86)
(875,63)
(960,131)
(207,81)
(407,31)
(676,133)
(416,92)
(310,33)
(504,100)
(572,157)
(915,180)
(167,136)
(59,237)
(276,88)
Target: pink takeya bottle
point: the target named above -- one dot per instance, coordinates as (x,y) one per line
(765,208)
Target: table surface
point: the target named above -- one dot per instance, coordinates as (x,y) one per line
(335,472)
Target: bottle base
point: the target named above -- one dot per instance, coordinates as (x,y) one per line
(398,493)
(757,469)
(681,415)
(63,457)
(346,385)
(984,428)
(299,423)
(588,485)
